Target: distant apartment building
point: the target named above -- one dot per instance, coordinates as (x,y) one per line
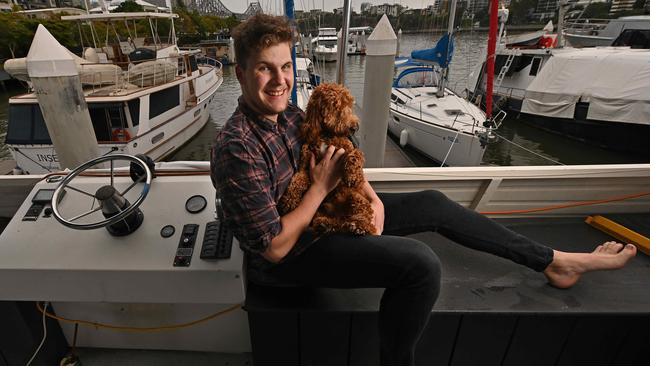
(392,10)
(473,6)
(432,9)
(7,5)
(621,5)
(37,4)
(545,9)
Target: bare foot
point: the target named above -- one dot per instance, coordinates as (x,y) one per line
(566,268)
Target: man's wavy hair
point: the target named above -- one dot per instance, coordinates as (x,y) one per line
(259,32)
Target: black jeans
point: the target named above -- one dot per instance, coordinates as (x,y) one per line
(407,268)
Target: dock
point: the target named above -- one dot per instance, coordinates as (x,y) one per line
(395,157)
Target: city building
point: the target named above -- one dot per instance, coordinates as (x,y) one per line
(621,5)
(473,6)
(7,5)
(545,9)
(392,10)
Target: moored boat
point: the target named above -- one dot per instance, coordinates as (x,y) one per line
(324,45)
(430,117)
(599,32)
(151,100)
(595,95)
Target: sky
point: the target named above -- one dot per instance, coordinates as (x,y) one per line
(275,6)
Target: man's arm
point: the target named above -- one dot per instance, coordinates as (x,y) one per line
(377,207)
(324,176)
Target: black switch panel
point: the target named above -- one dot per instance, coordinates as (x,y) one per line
(217,241)
(33,212)
(183,256)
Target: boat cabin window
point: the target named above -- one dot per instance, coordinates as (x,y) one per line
(134,111)
(418,79)
(454,112)
(164,100)
(534,67)
(633,38)
(26,125)
(106,117)
(327,43)
(396,99)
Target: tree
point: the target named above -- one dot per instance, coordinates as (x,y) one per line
(129,6)
(17,35)
(519,10)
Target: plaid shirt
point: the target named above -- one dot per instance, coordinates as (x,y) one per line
(252,162)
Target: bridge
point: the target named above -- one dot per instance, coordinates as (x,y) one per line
(216,7)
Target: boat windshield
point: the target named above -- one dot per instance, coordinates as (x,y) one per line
(633,38)
(416,77)
(327,43)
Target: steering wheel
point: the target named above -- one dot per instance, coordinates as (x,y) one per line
(123,212)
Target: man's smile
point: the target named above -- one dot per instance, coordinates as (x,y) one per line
(276,93)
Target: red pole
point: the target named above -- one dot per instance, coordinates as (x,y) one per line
(492,43)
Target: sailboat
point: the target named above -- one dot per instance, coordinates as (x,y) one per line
(433,119)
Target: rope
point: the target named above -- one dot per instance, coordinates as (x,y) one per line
(138,329)
(567,205)
(530,151)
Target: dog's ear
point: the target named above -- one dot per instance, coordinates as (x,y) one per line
(311,128)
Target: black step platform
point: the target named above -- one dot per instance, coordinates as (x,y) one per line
(490,312)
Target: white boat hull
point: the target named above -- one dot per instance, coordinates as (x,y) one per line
(327,55)
(157,142)
(438,143)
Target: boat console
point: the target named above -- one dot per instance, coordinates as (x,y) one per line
(165,260)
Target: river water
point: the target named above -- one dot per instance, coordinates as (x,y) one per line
(521,144)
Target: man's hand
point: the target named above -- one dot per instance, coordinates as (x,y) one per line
(326,175)
(377,215)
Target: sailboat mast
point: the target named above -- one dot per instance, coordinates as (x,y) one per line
(343,42)
(288,11)
(450,31)
(491,55)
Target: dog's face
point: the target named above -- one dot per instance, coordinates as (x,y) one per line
(330,111)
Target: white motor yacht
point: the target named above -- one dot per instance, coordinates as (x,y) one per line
(590,33)
(324,45)
(144,95)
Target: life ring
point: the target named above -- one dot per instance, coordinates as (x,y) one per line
(546,42)
(121,135)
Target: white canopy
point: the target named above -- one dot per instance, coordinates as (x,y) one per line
(615,81)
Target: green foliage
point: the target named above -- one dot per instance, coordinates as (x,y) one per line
(17,33)
(128,6)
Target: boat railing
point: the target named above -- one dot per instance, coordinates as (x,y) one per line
(585,26)
(205,60)
(93,76)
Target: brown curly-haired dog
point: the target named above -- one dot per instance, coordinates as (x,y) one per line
(330,120)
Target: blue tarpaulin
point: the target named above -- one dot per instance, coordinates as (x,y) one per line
(440,54)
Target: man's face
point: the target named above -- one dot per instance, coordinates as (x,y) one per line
(267,80)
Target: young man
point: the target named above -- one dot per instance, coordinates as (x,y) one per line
(253,160)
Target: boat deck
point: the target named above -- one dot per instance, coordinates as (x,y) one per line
(490,311)
(476,282)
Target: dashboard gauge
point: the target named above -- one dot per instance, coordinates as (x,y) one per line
(167,231)
(195,204)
